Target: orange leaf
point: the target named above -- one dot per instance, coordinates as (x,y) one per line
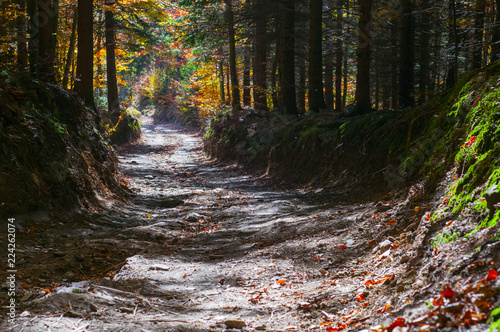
(384,309)
(392,222)
(366,304)
(492,274)
(360,297)
(281,282)
(32,229)
(46,290)
(398,322)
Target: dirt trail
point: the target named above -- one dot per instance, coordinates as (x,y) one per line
(206,247)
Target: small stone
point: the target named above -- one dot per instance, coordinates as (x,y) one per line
(372,243)
(404,259)
(384,246)
(235,324)
(149,177)
(192,219)
(261,328)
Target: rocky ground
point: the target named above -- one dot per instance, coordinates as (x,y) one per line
(203,246)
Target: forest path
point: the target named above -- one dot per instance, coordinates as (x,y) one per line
(202,246)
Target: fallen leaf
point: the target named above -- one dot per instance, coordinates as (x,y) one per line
(384,309)
(281,282)
(360,297)
(492,274)
(32,229)
(447,292)
(149,215)
(392,222)
(46,290)
(398,322)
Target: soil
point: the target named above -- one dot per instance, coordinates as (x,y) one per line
(205,246)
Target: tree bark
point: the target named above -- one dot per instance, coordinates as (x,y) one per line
(247,100)
(46,65)
(338,59)
(477,56)
(425,37)
(21,29)
(260,57)
(71,50)
(287,66)
(495,41)
(112,83)
(363,102)
(407,56)
(221,82)
(451,78)
(84,84)
(316,96)
(235,91)
(33,30)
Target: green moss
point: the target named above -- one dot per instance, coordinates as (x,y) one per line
(443,238)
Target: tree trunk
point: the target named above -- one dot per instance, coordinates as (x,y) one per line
(301,86)
(338,60)
(316,97)
(260,57)
(46,66)
(21,29)
(495,41)
(407,56)
(425,37)
(247,100)
(364,54)
(113,99)
(235,91)
(71,50)
(394,66)
(228,84)
(84,85)
(477,56)
(451,78)
(329,67)
(287,66)
(221,82)
(33,39)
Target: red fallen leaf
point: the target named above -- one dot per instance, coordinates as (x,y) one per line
(360,297)
(315,259)
(437,302)
(447,292)
(392,222)
(340,327)
(398,322)
(366,304)
(32,229)
(281,282)
(342,247)
(428,217)
(492,274)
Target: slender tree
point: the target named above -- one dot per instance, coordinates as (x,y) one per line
(46,56)
(260,56)
(316,96)
(477,54)
(407,56)
(84,85)
(338,59)
(235,91)
(71,50)
(363,102)
(495,42)
(287,63)
(112,84)
(21,28)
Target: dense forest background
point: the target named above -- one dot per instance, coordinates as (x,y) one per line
(293,56)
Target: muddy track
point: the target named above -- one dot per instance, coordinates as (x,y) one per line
(201,246)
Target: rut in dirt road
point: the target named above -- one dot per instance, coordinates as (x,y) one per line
(215,250)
